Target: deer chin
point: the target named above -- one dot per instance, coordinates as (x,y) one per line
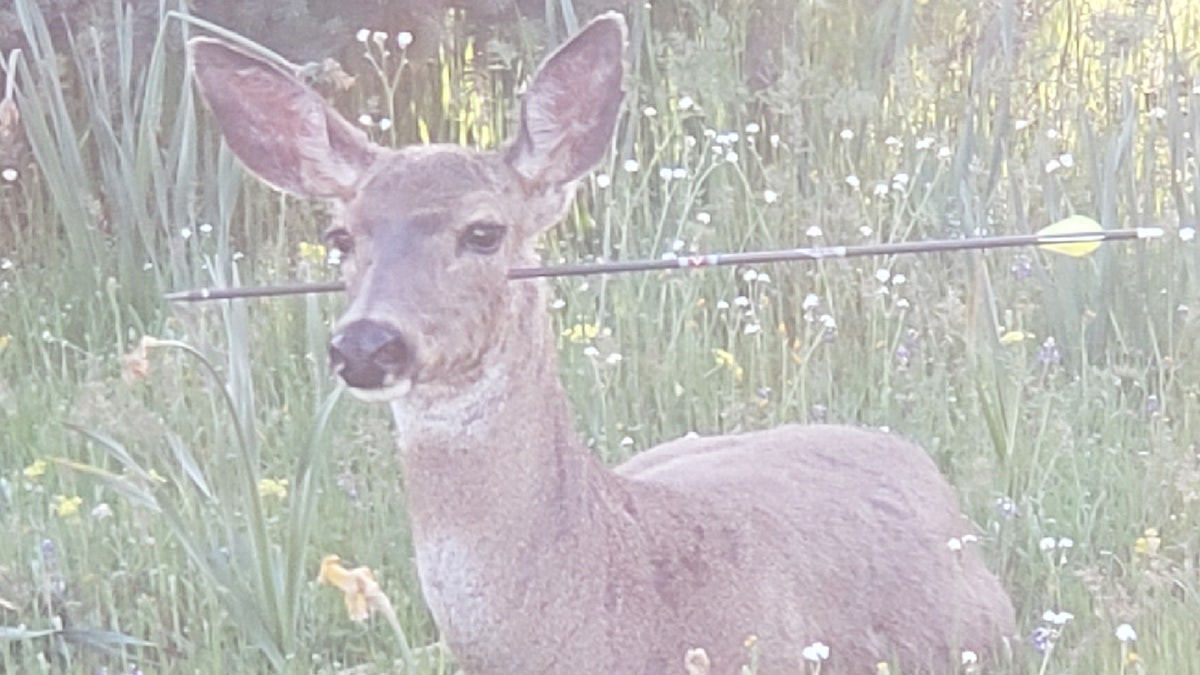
(391,391)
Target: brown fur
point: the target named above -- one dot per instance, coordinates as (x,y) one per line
(533,557)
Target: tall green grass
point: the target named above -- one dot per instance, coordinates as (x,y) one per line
(888,121)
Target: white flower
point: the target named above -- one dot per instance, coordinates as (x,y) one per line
(764,278)
(363,35)
(1157,112)
(1057,618)
(603,180)
(1047,543)
(1018,125)
(881,189)
(741,301)
(753,128)
(813,231)
(731,157)
(722,304)
(384,124)
(10,175)
(678,173)
(847,134)
(816,652)
(205,228)
(558,303)
(774,140)
(1066,542)
(828,321)
(752,328)
(893,142)
(925,143)
(969,657)
(704,217)
(626,442)
(665,173)
(900,180)
(883,275)
(865,230)
(630,166)
(404,39)
(686,103)
(1053,165)
(749,275)
(366,120)
(1187,233)
(853,181)
(811,301)
(591,351)
(379,37)
(945,152)
(650,111)
(6,264)
(613,359)
(954,544)
(186,233)
(1052,134)
(1126,633)
(1066,160)
(770,196)
(899,279)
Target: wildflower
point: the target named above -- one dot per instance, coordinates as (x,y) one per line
(362,591)
(893,142)
(273,488)
(1147,544)
(969,657)
(945,152)
(774,140)
(811,301)
(1021,266)
(1057,618)
(753,128)
(741,301)
(1042,639)
(35,470)
(664,173)
(731,157)
(613,359)
(590,351)
(366,120)
(581,332)
(404,39)
(205,229)
(385,123)
(9,174)
(696,662)
(1066,542)
(1187,233)
(686,103)
(1019,125)
(5,340)
(650,111)
(1157,113)
(846,134)
(1047,544)
(66,507)
(1066,160)
(752,328)
(1048,353)
(1006,506)
(185,233)
(954,544)
(379,37)
(704,217)
(1126,633)
(853,181)
(881,189)
(816,652)
(925,143)
(630,166)
(749,275)
(627,442)
(363,35)
(770,196)
(900,181)
(101,511)
(813,231)
(6,264)
(678,173)
(1053,165)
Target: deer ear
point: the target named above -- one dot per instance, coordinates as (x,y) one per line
(569,112)
(280,128)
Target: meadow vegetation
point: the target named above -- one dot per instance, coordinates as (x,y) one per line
(168,501)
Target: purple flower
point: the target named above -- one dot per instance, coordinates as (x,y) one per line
(1048,354)
(1042,639)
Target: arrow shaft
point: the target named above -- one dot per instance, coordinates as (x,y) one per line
(715,259)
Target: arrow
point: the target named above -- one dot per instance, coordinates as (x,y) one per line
(1076,236)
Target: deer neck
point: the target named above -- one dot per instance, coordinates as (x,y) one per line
(501,454)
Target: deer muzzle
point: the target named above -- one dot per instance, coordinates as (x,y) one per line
(370,355)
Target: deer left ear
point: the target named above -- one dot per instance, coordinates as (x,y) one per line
(569,113)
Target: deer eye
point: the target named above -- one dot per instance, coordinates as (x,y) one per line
(482,238)
(339,239)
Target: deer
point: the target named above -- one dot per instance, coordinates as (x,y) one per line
(533,556)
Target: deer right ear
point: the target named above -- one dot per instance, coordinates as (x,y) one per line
(280,128)
(569,112)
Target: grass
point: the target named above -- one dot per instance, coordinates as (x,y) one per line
(149,523)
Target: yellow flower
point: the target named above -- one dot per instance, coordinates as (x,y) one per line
(581,332)
(271,487)
(36,469)
(1148,543)
(66,507)
(1012,337)
(314,254)
(4,342)
(363,594)
(726,360)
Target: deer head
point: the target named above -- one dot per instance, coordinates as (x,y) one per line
(427,233)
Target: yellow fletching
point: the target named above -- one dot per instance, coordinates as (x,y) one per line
(1075,230)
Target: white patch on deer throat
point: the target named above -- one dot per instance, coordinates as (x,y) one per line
(394,390)
(453,587)
(459,413)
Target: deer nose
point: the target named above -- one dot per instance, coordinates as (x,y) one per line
(369,355)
